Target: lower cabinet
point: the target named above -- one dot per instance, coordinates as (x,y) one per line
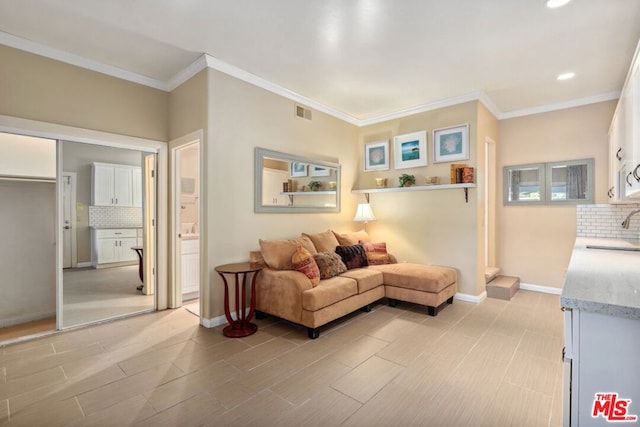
(601,359)
(190,266)
(114,246)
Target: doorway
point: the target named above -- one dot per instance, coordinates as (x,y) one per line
(186,216)
(114,233)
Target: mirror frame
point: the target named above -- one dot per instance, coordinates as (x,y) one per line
(261,153)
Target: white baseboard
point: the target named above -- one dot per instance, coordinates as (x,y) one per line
(476,299)
(212,323)
(84,264)
(543,289)
(26,318)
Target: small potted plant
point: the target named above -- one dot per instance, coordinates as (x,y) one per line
(407,180)
(315,185)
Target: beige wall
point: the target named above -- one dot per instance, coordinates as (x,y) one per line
(240,118)
(437,226)
(535,242)
(37,88)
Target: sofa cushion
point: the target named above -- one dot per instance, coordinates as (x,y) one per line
(353,256)
(277,253)
(352,238)
(330,264)
(367,279)
(422,277)
(323,242)
(328,292)
(303,261)
(376,253)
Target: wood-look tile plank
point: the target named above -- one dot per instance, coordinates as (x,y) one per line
(47,413)
(359,351)
(533,373)
(327,407)
(195,411)
(263,410)
(127,387)
(305,383)
(367,379)
(14,387)
(130,412)
(260,354)
(192,384)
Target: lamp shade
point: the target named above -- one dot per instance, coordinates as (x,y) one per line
(364,213)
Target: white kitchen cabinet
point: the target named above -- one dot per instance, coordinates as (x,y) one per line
(113,185)
(114,246)
(136,187)
(624,142)
(190,273)
(272,180)
(601,355)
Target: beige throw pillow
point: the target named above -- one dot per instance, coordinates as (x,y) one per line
(277,253)
(352,238)
(324,242)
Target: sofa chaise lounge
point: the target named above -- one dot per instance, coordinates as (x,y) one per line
(289,294)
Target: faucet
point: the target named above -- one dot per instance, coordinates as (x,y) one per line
(625,223)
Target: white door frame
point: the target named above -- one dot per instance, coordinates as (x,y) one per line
(58,132)
(73,179)
(175,295)
(489,200)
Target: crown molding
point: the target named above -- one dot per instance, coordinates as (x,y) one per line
(560,105)
(208,61)
(448,102)
(72,59)
(243,75)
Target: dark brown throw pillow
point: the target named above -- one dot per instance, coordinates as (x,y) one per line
(353,256)
(329,264)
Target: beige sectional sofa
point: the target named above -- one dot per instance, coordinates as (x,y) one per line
(289,294)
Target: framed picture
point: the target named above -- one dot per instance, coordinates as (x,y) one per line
(315,170)
(451,144)
(297,169)
(376,156)
(410,150)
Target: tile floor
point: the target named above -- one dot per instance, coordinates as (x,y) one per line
(492,364)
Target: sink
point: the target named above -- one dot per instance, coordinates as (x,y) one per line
(615,248)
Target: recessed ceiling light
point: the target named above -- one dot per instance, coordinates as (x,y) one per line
(552,4)
(566,76)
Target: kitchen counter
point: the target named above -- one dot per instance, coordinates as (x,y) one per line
(115,228)
(603,281)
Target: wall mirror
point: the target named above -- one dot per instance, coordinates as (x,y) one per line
(288,183)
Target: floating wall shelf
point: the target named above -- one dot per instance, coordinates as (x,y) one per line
(307,193)
(465,187)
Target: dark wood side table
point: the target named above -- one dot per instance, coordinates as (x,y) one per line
(139,251)
(241,326)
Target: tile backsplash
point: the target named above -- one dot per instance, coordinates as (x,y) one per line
(114,216)
(605,221)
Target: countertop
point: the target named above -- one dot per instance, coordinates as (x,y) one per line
(603,281)
(115,228)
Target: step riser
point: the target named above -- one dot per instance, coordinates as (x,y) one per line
(503,287)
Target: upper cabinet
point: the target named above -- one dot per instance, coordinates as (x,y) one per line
(624,141)
(116,185)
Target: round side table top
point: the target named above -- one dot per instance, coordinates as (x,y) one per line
(240,267)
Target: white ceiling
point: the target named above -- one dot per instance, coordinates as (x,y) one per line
(365,59)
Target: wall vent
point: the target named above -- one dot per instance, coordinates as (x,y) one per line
(302,112)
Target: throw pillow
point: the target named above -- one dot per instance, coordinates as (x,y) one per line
(376,253)
(329,264)
(277,253)
(303,262)
(352,238)
(353,256)
(324,242)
